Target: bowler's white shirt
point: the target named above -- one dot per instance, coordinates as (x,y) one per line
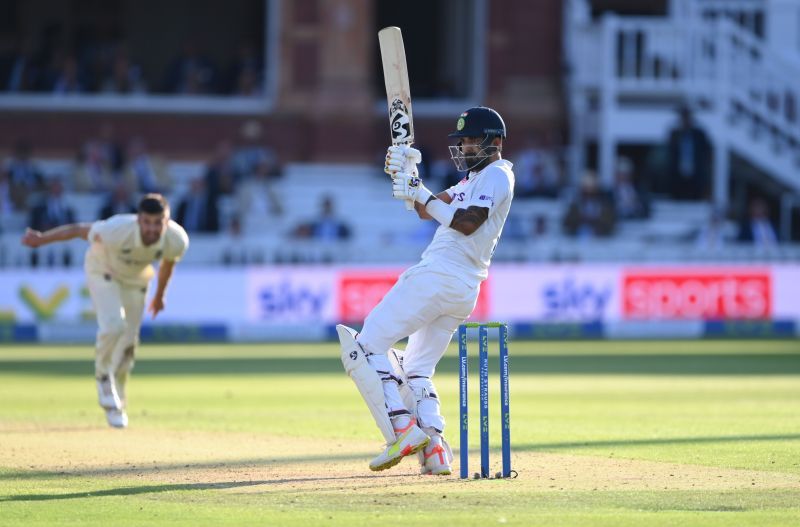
(116,249)
(470,256)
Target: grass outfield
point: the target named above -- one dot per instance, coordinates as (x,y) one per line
(603,433)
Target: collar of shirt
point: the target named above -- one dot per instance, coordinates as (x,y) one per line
(500,162)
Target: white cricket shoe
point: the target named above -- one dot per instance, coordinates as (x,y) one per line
(107,393)
(411,439)
(436,458)
(116,418)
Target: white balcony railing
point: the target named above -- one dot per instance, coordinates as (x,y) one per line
(746,92)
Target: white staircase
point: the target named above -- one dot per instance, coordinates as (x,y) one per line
(628,74)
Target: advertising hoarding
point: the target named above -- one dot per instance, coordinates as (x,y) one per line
(515,293)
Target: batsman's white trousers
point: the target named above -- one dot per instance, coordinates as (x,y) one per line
(427,304)
(119,309)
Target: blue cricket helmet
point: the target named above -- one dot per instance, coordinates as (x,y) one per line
(480,121)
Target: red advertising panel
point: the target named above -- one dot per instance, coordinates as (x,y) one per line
(697,293)
(360,291)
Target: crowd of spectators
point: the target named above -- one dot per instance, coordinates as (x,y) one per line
(34,66)
(240,181)
(241,171)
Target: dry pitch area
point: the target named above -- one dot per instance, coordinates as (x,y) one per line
(262,463)
(693,434)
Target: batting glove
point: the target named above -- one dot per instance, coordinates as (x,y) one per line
(402,159)
(409,187)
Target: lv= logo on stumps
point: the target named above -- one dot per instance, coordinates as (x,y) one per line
(463,392)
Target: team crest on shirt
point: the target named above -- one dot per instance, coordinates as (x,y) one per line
(158,254)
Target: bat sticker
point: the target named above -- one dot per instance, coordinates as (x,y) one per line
(400,123)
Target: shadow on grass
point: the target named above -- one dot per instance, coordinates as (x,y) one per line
(258,463)
(177,487)
(601,364)
(653,441)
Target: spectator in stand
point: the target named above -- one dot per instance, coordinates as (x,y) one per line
(713,235)
(124,77)
(145,173)
(252,152)
(24,178)
(326,228)
(540,228)
(52,211)
(6,205)
(757,228)
(249,84)
(21,71)
(190,73)
(93,172)
(197,211)
(629,201)
(590,213)
(234,253)
(536,169)
(257,197)
(220,175)
(118,202)
(244,75)
(66,77)
(111,147)
(689,159)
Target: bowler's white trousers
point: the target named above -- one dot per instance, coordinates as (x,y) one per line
(119,308)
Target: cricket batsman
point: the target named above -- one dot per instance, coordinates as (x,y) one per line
(118,268)
(431,299)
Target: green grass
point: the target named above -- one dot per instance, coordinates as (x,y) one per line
(603,433)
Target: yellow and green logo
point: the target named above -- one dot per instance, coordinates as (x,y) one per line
(460,124)
(44,307)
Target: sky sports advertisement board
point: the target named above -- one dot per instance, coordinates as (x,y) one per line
(517,294)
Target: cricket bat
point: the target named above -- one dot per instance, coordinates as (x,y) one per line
(398,95)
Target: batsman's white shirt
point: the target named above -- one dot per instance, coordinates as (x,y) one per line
(470,256)
(117,250)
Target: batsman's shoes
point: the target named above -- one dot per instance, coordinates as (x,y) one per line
(107,393)
(410,441)
(436,458)
(116,418)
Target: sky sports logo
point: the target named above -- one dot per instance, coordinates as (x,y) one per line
(697,294)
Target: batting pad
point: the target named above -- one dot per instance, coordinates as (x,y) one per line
(366,379)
